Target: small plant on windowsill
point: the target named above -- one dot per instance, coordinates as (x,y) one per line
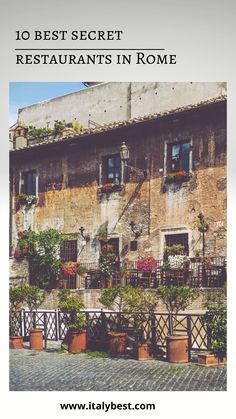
(110,187)
(25,199)
(82,271)
(179,176)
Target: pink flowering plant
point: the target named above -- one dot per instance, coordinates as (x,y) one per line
(146,263)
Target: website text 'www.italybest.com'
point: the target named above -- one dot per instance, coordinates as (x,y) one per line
(107,407)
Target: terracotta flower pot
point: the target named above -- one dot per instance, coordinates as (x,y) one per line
(36,339)
(207,359)
(117,343)
(16,342)
(177,349)
(77,341)
(143,352)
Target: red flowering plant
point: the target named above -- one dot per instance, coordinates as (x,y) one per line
(175,176)
(146,263)
(18,255)
(109,187)
(70,268)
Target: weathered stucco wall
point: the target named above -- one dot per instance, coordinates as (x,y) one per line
(69,179)
(109,102)
(18,272)
(91,297)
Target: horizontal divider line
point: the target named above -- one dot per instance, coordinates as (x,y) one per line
(89,49)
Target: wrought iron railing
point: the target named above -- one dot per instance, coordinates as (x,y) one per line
(155,327)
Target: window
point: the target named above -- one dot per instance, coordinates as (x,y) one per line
(28,183)
(69,251)
(178,243)
(178,157)
(69,254)
(133,245)
(112,169)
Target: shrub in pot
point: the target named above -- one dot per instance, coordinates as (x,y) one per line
(34,297)
(176,299)
(115,299)
(72,305)
(16,299)
(140,305)
(215,321)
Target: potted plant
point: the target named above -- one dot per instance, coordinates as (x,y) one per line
(176,299)
(82,271)
(107,265)
(115,299)
(70,268)
(75,320)
(17,297)
(34,297)
(140,304)
(147,264)
(42,250)
(215,321)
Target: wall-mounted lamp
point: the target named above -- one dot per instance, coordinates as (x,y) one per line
(81,229)
(124,156)
(137,231)
(85,237)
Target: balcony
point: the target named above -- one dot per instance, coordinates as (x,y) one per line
(208,272)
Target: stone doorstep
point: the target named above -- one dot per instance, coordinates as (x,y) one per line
(208,359)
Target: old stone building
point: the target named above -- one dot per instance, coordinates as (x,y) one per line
(176,169)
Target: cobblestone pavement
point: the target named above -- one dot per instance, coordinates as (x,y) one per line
(59,371)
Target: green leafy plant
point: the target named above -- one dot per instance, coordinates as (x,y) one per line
(43,252)
(72,304)
(34,297)
(176,299)
(115,298)
(107,264)
(215,320)
(59,126)
(34,132)
(201,223)
(25,199)
(77,126)
(16,300)
(97,354)
(175,249)
(81,270)
(140,304)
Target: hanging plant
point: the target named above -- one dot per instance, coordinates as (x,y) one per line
(70,268)
(201,224)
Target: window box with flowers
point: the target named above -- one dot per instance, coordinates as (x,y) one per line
(180,176)
(108,188)
(25,199)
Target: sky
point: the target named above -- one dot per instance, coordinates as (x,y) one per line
(22,94)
